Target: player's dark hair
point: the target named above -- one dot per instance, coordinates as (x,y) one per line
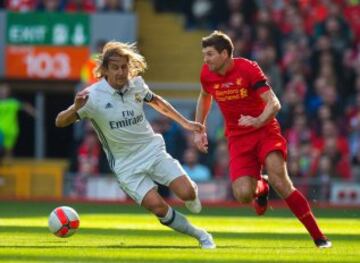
(220,41)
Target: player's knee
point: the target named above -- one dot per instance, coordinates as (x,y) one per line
(244,196)
(187,194)
(183,187)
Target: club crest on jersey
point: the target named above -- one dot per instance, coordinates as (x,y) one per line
(238,81)
(138,97)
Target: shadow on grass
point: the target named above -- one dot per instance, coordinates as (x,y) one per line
(140,259)
(141,233)
(9,209)
(120,246)
(18,209)
(154,247)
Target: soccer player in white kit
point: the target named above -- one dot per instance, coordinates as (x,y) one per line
(136,154)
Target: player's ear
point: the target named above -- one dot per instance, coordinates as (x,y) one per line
(224,53)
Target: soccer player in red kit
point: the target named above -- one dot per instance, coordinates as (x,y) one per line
(249,107)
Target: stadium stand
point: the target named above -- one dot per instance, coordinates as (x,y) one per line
(309,50)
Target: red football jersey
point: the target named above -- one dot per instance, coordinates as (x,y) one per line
(237,93)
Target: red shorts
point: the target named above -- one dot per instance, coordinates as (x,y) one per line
(248,151)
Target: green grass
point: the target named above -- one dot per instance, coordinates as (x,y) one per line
(117,233)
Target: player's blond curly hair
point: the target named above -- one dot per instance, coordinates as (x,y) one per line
(137,63)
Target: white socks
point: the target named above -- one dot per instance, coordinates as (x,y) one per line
(179,223)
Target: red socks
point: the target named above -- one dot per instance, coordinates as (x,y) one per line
(301,209)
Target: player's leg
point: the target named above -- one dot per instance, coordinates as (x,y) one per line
(187,190)
(248,189)
(244,189)
(277,173)
(169,172)
(165,170)
(298,204)
(245,170)
(153,202)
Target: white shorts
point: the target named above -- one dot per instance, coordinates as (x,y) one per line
(157,166)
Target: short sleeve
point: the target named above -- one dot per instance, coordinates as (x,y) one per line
(143,90)
(203,81)
(84,111)
(259,81)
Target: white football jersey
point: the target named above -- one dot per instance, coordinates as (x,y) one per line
(118,117)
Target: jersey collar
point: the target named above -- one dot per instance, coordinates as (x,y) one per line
(231,68)
(113,91)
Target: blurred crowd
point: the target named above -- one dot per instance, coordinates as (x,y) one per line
(310,51)
(87,6)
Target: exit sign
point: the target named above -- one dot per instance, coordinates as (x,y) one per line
(58,29)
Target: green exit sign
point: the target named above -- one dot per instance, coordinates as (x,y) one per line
(51,29)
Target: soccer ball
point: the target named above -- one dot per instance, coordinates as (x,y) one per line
(64,221)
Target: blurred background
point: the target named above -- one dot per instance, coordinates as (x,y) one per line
(309,50)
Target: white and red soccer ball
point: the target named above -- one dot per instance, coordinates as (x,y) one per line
(64,221)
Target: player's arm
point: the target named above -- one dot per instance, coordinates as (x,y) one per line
(165,108)
(29,109)
(272,107)
(202,110)
(203,107)
(69,116)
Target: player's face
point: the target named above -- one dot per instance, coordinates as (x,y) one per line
(117,73)
(214,59)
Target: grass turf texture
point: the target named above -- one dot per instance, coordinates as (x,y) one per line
(119,233)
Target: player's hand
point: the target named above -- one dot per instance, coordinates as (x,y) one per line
(249,121)
(201,141)
(194,126)
(80,99)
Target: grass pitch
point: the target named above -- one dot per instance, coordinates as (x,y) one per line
(118,233)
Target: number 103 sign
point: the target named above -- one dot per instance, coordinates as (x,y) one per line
(45,62)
